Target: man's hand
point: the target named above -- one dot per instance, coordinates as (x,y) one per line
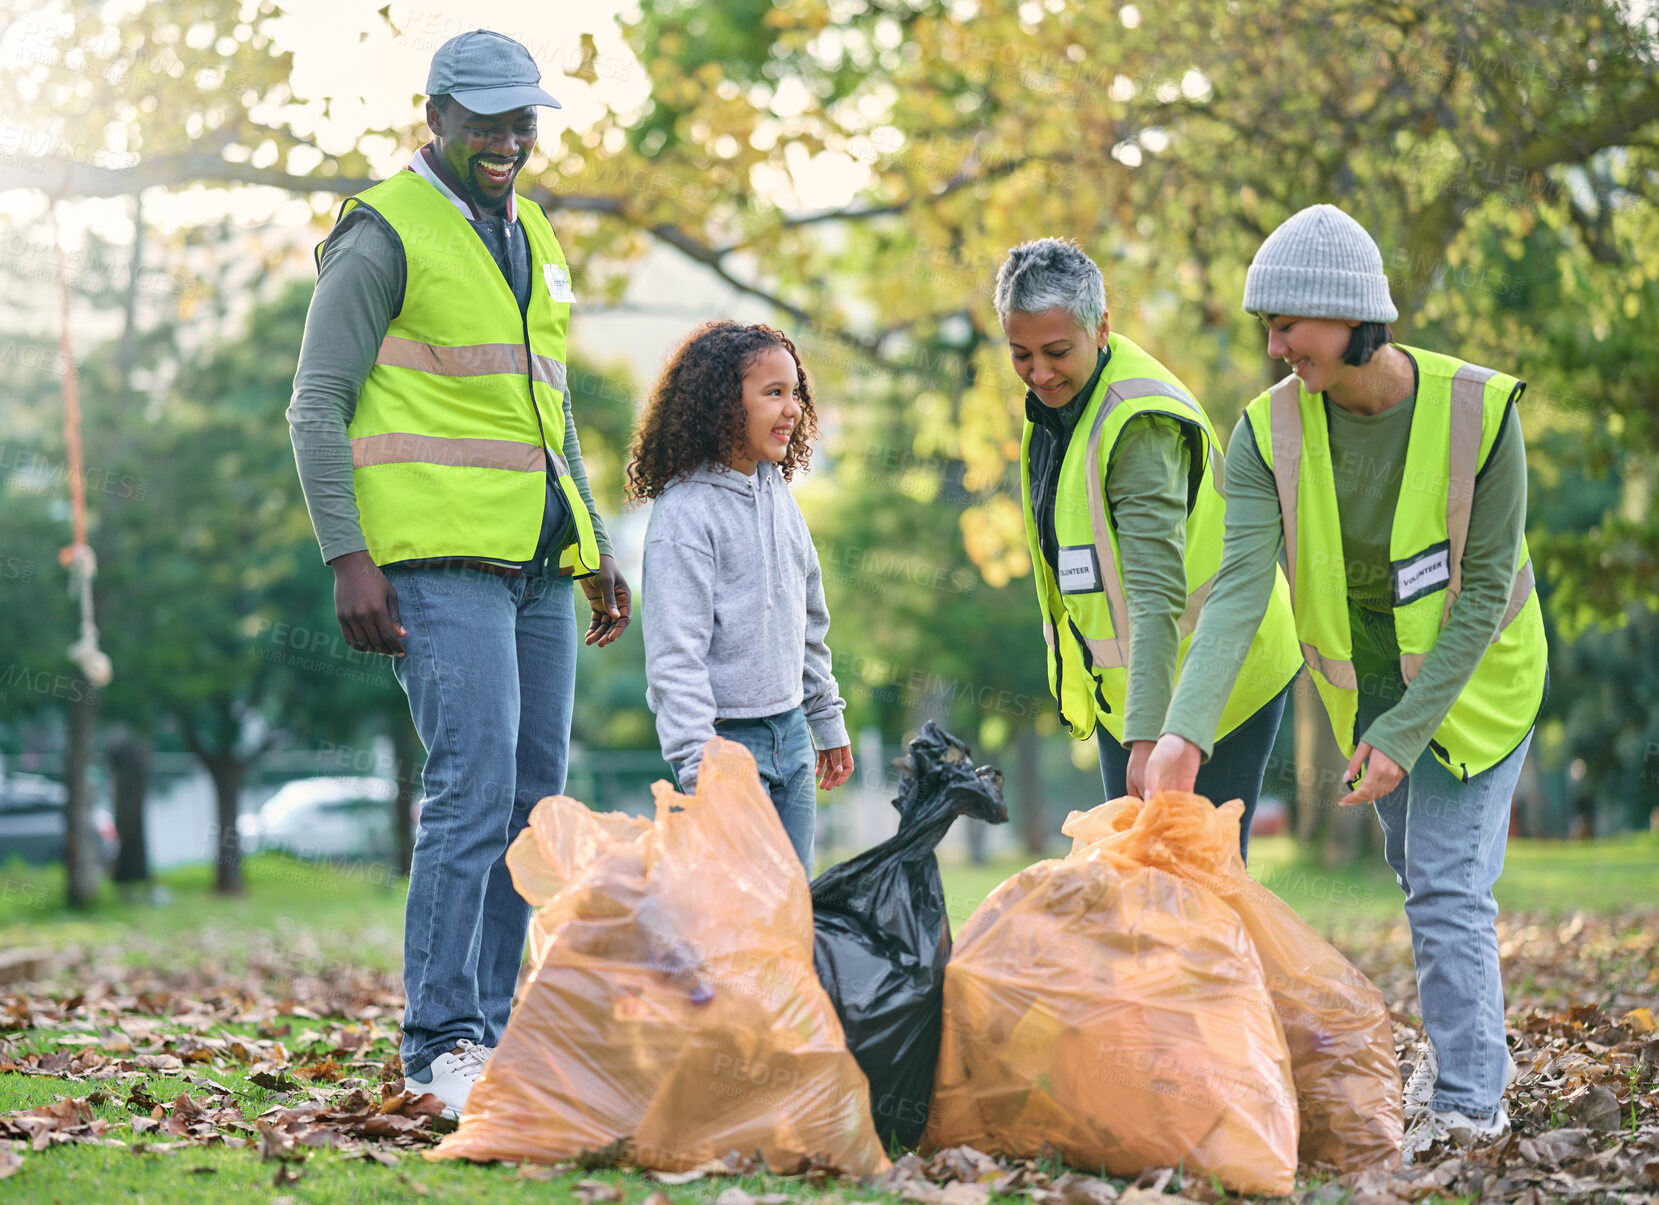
(1382,775)
(365,603)
(1135,776)
(835,766)
(1173,765)
(610,599)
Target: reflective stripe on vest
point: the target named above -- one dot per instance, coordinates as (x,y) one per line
(1427,545)
(469,360)
(1114,653)
(400,447)
(1467,407)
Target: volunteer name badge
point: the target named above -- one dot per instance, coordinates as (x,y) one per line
(1079,570)
(1422,574)
(557,279)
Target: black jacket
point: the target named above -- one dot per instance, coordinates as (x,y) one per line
(1051,434)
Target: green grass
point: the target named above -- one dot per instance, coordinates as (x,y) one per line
(355,913)
(318,916)
(360,914)
(213,1175)
(1554,877)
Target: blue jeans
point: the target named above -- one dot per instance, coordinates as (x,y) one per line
(1445,840)
(490,674)
(1235,769)
(788,765)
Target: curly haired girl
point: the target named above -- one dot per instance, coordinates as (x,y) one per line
(733,604)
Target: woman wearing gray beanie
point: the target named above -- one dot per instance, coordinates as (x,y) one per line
(1393,479)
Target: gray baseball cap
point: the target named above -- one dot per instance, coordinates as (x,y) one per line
(487,72)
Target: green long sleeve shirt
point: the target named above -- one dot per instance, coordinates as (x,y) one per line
(1146,487)
(1368,460)
(359,289)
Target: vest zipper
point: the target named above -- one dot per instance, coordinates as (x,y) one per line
(1059,680)
(547,459)
(1088,664)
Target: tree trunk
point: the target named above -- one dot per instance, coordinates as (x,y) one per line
(1338,833)
(410,758)
(127,350)
(130,765)
(228,772)
(81,853)
(1028,790)
(1350,834)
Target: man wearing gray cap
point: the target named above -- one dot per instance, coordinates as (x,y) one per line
(433,431)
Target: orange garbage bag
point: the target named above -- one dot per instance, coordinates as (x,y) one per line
(673,1000)
(1118,1012)
(1336,1025)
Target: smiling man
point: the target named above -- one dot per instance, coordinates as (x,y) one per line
(433,431)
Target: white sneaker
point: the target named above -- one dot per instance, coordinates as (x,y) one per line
(451,1075)
(1434,1126)
(1420,1087)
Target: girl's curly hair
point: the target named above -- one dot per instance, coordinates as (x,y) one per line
(695,414)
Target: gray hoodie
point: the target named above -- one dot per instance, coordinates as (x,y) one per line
(734,612)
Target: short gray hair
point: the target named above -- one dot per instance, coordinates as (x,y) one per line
(1047,273)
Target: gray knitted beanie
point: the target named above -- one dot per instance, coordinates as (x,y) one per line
(1319,264)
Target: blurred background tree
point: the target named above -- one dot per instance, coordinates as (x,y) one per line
(859,168)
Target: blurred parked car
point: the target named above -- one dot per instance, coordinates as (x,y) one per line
(1271,818)
(32,820)
(318,818)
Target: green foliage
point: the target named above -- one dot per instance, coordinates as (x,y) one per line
(915,628)
(1503,154)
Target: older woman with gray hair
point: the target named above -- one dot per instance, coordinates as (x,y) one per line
(1118,468)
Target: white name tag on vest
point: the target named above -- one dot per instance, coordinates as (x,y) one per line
(1079,570)
(558,282)
(1422,574)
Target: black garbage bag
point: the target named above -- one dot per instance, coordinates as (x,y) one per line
(883,938)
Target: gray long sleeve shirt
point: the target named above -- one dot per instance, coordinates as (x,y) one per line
(359,290)
(734,614)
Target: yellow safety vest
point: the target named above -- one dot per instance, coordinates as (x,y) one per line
(1459,411)
(464,408)
(1085,615)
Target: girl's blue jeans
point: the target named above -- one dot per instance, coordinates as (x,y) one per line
(788,765)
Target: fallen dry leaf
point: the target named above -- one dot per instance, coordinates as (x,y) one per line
(964,1164)
(1076,1189)
(67,1120)
(672,1178)
(960,1193)
(1581,996)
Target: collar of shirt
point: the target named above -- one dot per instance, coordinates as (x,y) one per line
(430,168)
(1058,421)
